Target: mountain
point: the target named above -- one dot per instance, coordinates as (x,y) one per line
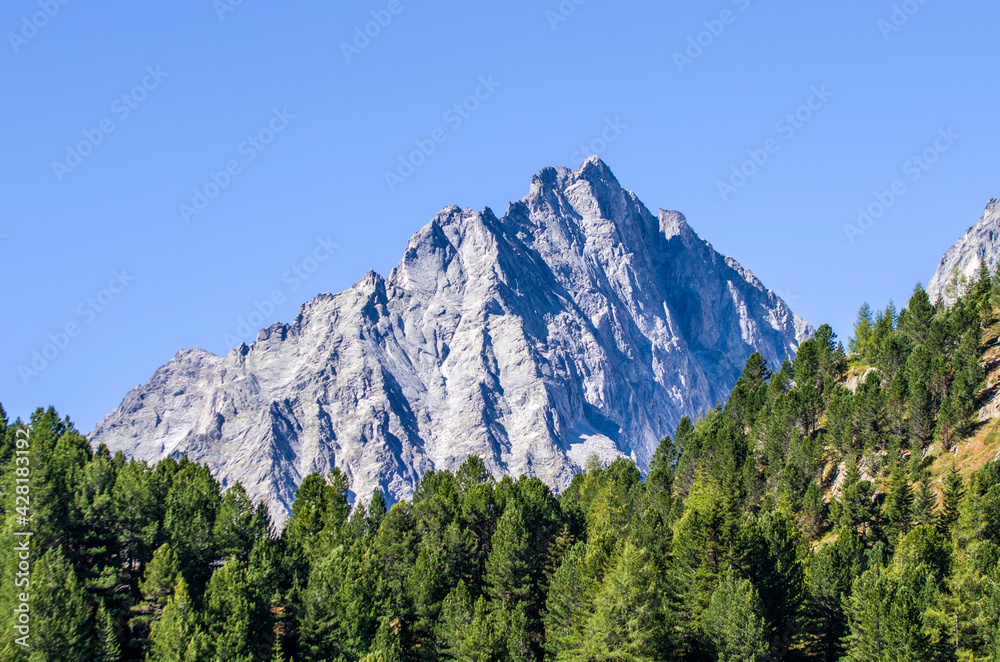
(577,324)
(981,241)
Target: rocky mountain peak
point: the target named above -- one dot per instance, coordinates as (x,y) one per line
(578,324)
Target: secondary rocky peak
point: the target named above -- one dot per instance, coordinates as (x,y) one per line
(980,242)
(674,224)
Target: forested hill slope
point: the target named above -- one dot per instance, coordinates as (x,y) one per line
(817,516)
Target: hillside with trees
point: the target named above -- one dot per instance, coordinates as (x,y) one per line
(843,506)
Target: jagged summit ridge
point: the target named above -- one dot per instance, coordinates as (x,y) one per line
(576,324)
(980,242)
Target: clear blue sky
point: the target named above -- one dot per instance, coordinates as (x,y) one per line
(114,217)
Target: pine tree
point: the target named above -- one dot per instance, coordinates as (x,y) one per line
(832,570)
(886,618)
(915,465)
(349,591)
(191,505)
(238,524)
(898,507)
(954,491)
(307,517)
(869,425)
(746,401)
(733,625)
(507,569)
(137,501)
(991,631)
(920,400)
(702,538)
(769,550)
(452,626)
(569,605)
(376,512)
(160,577)
(924,502)
(558,551)
(176,631)
(512,625)
(919,312)
(814,510)
(969,377)
(983,284)
(858,345)
(60,615)
(627,623)
(109,650)
(660,479)
(387,646)
(443,560)
(868,609)
(235,614)
(856,509)
(497,634)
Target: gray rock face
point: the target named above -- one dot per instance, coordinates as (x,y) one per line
(981,241)
(577,324)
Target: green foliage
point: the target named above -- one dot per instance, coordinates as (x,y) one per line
(191,505)
(60,617)
(569,605)
(176,637)
(953,493)
(235,615)
(885,619)
(160,577)
(830,574)
(238,525)
(897,511)
(628,622)
(733,625)
(859,344)
(108,647)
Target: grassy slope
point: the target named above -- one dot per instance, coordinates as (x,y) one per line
(983,445)
(968,455)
